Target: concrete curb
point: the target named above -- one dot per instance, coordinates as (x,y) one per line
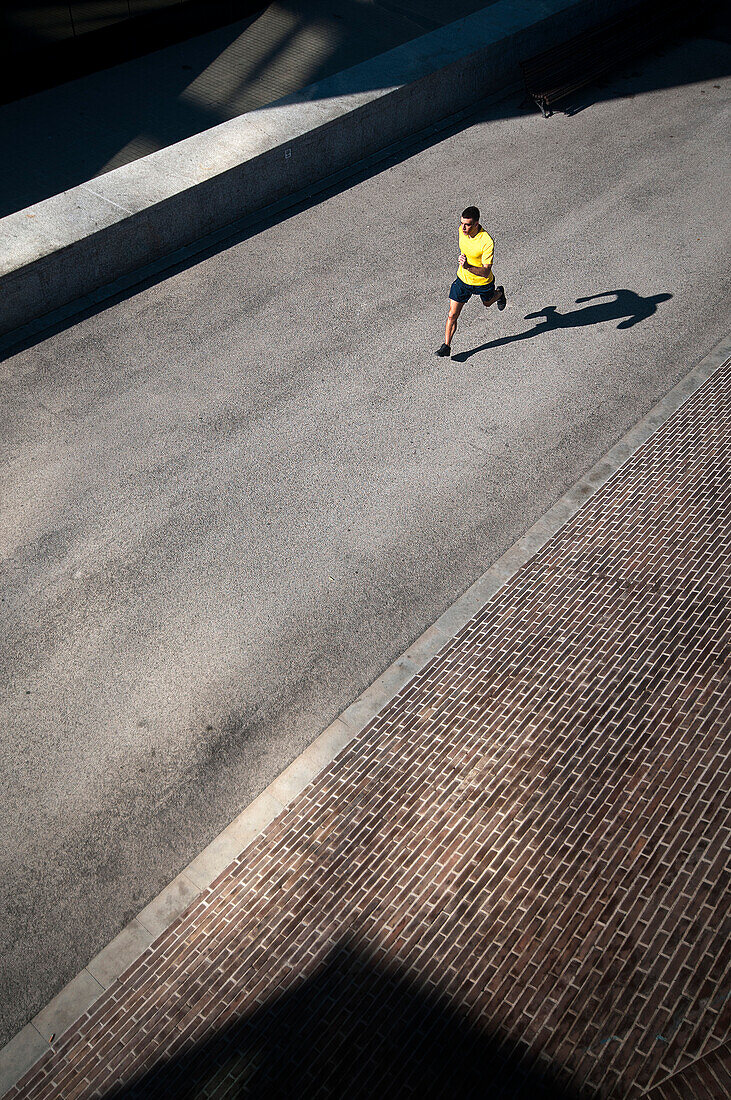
(79,995)
(71,244)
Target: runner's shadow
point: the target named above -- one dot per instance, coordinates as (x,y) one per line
(627,307)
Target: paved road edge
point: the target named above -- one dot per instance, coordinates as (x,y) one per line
(79,995)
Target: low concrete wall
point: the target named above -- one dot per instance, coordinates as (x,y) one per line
(75,242)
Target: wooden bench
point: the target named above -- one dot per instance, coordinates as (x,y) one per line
(556,73)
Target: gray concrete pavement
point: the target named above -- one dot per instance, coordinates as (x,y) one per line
(232,499)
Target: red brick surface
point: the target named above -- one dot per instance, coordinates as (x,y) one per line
(514,882)
(707,1079)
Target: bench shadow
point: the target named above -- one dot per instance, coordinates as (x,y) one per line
(355,1028)
(626,307)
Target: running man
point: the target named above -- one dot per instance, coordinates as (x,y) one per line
(475,273)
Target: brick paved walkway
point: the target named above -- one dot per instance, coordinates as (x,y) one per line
(514,882)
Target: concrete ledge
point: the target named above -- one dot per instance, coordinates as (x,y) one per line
(20,1055)
(118,955)
(24,1050)
(168,905)
(71,244)
(66,1008)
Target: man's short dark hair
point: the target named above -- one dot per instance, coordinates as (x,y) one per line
(471,213)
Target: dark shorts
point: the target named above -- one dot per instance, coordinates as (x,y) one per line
(462,292)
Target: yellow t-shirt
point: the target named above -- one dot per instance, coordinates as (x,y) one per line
(479,251)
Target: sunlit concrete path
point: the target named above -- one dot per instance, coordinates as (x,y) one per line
(514,882)
(232,499)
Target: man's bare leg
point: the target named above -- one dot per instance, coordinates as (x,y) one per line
(455,308)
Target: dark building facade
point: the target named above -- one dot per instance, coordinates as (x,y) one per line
(42,44)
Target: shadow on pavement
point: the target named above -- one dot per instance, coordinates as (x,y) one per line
(354,1028)
(627,307)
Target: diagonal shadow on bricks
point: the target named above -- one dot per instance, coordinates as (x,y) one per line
(355,1027)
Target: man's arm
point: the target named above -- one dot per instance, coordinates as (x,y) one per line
(483,272)
(592,297)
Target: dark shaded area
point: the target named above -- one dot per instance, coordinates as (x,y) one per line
(681,67)
(81,129)
(553,75)
(356,1029)
(627,307)
(43,45)
(63,140)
